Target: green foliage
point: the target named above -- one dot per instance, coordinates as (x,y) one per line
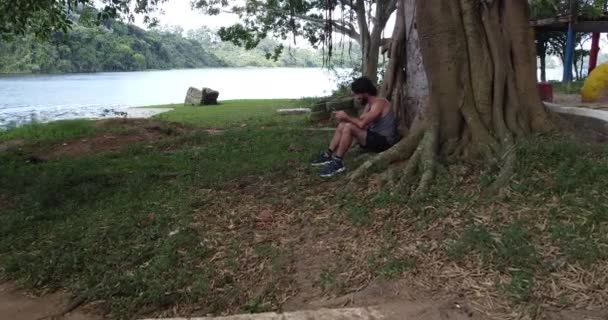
(554,43)
(53,131)
(115,47)
(27,20)
(265,54)
(541,9)
(394,267)
(568,88)
(312,19)
(520,287)
(43,18)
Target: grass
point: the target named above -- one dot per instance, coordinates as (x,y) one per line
(58,130)
(118,211)
(236,113)
(209,223)
(76,221)
(570,88)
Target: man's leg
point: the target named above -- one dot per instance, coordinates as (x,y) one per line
(333,146)
(349,133)
(326,157)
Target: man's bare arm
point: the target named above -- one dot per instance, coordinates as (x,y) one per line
(375,111)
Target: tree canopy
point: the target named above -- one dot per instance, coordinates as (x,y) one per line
(315,20)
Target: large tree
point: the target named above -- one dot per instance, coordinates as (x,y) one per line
(363,21)
(462,76)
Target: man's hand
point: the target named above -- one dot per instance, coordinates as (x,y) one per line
(341,116)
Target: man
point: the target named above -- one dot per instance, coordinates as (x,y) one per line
(375,130)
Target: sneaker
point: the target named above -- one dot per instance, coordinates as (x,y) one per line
(333,168)
(322,160)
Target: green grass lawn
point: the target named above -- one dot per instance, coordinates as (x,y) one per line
(235,113)
(204,222)
(571,88)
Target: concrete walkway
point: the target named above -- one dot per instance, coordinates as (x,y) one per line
(403,310)
(322,314)
(578,111)
(145,112)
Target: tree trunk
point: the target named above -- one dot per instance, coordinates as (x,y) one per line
(542,53)
(463,76)
(371,53)
(371,40)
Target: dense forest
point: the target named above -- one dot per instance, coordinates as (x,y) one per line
(115,46)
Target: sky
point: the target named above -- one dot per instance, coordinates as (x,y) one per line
(180,13)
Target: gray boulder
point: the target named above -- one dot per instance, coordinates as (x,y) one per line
(196,97)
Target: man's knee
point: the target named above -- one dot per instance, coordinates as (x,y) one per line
(348,128)
(341,126)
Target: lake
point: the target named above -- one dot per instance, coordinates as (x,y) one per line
(42,98)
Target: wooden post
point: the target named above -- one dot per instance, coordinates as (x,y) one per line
(567,78)
(570,45)
(595,49)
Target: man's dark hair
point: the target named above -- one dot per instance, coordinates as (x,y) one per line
(364,85)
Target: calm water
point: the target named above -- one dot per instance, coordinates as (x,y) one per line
(44,98)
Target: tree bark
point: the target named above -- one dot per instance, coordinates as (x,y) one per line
(462,77)
(371,40)
(542,54)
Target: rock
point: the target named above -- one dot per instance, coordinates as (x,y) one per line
(285,112)
(194,97)
(210,96)
(198,97)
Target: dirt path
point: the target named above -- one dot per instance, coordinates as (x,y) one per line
(15,305)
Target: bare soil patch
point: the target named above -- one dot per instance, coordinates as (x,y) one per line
(17,305)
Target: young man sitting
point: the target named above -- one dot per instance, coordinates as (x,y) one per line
(375,130)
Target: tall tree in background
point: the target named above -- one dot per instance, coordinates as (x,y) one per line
(44,17)
(360,20)
(316,20)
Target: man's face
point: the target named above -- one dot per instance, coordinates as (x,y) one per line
(362,98)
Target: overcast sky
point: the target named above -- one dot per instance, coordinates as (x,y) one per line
(179,13)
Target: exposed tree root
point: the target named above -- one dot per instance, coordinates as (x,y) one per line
(411,169)
(400,151)
(506,171)
(422,148)
(427,161)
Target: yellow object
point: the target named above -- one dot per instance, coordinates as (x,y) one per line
(596,85)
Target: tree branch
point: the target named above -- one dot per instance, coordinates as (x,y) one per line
(347,29)
(361,14)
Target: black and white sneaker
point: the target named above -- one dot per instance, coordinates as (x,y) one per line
(322,160)
(333,168)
